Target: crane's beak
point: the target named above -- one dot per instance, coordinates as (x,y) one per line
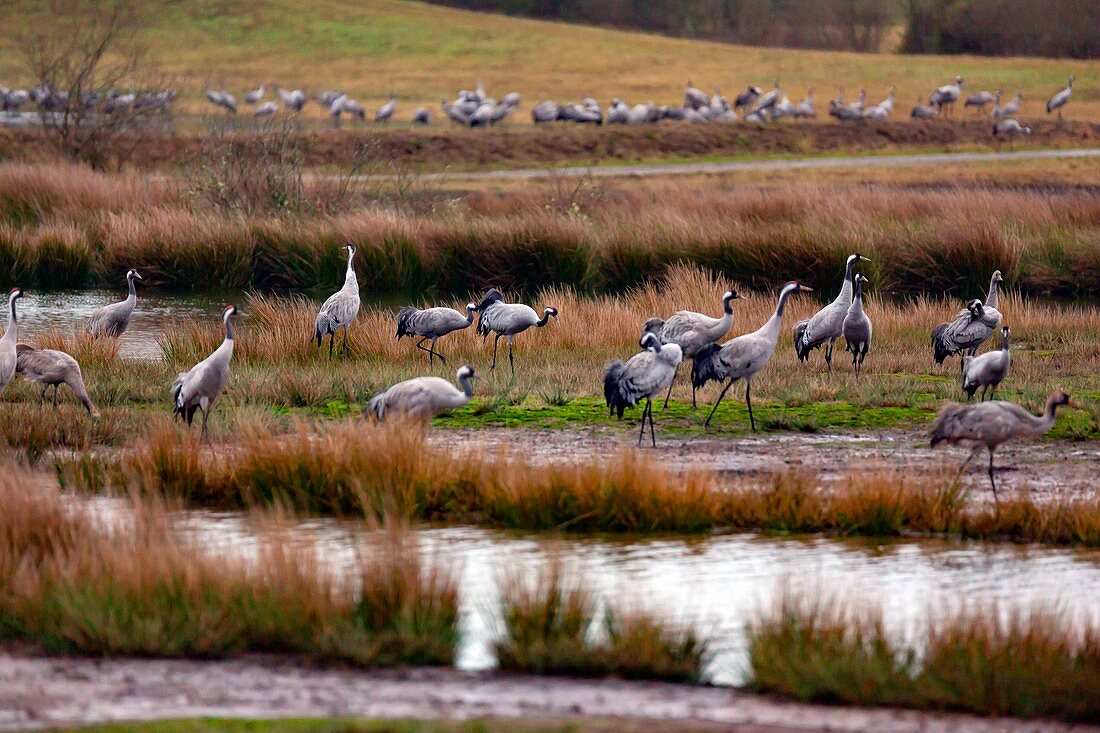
(1075,403)
(805,289)
(864,259)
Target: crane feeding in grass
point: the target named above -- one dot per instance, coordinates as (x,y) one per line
(1059,100)
(742,357)
(508,320)
(52,368)
(987,370)
(8,357)
(857,329)
(433,324)
(980,100)
(113,320)
(1009,109)
(293,99)
(642,377)
(341,308)
(827,325)
(199,388)
(944,98)
(253,96)
(423,397)
(693,331)
(992,423)
(385,112)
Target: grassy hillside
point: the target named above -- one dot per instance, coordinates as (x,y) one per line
(424,53)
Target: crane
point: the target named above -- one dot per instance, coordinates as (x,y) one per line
(423,397)
(987,370)
(199,388)
(508,320)
(341,308)
(643,377)
(434,324)
(52,368)
(827,325)
(113,320)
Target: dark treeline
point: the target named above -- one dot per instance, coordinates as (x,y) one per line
(990,27)
(1004,27)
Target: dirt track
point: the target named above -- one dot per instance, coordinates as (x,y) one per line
(559,144)
(52,692)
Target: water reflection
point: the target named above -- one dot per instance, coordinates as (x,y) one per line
(717,583)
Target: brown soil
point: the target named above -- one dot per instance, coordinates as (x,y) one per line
(37,692)
(443,146)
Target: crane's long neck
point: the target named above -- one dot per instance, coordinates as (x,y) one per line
(544,320)
(133,290)
(467,385)
(992,299)
(1004,343)
(13,322)
(469,315)
(230,334)
(770,330)
(857,296)
(350,281)
(845,294)
(1046,422)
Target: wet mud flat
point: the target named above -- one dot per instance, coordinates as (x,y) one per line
(1048,469)
(49,692)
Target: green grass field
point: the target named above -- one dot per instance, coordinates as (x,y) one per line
(424,53)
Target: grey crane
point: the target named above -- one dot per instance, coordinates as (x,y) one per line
(857,329)
(970,327)
(922,111)
(546,111)
(693,331)
(253,96)
(341,308)
(992,423)
(292,99)
(770,99)
(993,295)
(643,377)
(422,116)
(52,368)
(223,99)
(112,320)
(805,108)
(459,116)
(618,113)
(695,98)
(508,320)
(1010,127)
(987,370)
(385,112)
(266,109)
(199,388)
(946,96)
(8,358)
(980,100)
(743,356)
(434,324)
(423,397)
(827,325)
(1009,109)
(1059,100)
(747,97)
(882,110)
(326,98)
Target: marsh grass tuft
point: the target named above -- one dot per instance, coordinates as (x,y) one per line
(974,658)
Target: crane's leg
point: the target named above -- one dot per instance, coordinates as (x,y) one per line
(55,395)
(641,430)
(496,343)
(670,387)
(718,402)
(693,405)
(993,392)
(42,397)
(966,463)
(420,345)
(748,402)
(511,361)
(992,481)
(441,357)
(331,342)
(829,357)
(204,436)
(345,342)
(652,437)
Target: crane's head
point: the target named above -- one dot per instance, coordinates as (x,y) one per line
(550,311)
(997,276)
(729,295)
(857,257)
(1060,398)
(15,293)
(466,372)
(229,310)
(133,274)
(649,340)
(794,287)
(861,278)
(350,248)
(959,80)
(976,308)
(471,307)
(1005,331)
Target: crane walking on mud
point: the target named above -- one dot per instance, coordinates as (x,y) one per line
(643,377)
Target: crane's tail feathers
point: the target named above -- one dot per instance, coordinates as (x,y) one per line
(801,348)
(705,367)
(377,407)
(942,351)
(612,374)
(403,317)
(944,426)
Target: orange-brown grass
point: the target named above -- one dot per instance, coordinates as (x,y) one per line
(973,658)
(379,469)
(131,586)
(548,624)
(593,238)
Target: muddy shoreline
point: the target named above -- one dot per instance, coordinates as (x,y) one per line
(47,692)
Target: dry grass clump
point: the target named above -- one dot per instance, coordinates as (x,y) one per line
(554,627)
(975,659)
(130,586)
(375,469)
